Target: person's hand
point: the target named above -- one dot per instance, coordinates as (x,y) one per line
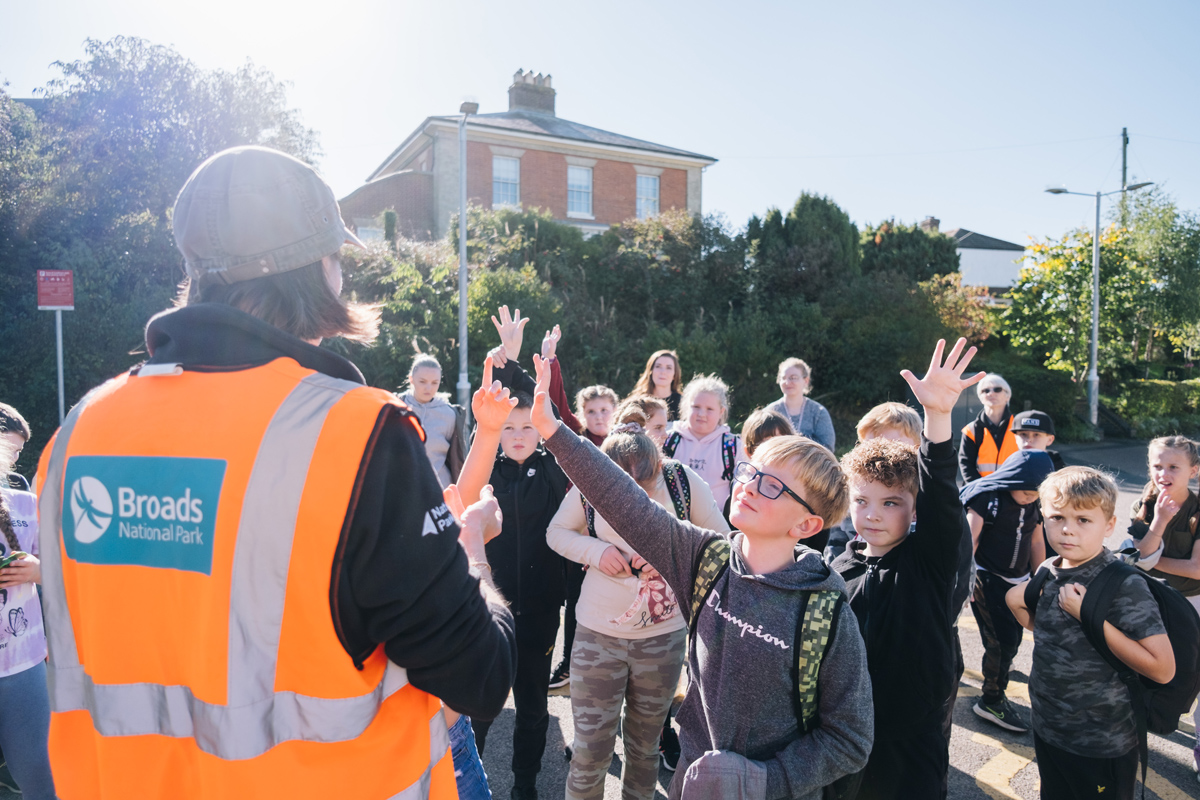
(550,343)
(481,522)
(499,356)
(643,567)
(512,331)
(25,570)
(491,402)
(613,564)
(1165,510)
(1070,598)
(454,501)
(938,391)
(543,414)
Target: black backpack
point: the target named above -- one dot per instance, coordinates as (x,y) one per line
(816,627)
(1156,706)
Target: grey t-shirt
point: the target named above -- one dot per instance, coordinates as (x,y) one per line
(1079,701)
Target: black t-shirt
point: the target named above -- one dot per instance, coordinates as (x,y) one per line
(1007,535)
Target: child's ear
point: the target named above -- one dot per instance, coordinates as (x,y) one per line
(809,527)
(1111,526)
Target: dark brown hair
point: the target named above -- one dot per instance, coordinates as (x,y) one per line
(300,302)
(645,384)
(636,453)
(11,421)
(761,425)
(6,526)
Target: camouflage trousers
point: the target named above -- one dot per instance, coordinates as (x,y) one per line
(606,670)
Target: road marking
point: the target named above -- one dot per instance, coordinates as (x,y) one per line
(1164,788)
(996,776)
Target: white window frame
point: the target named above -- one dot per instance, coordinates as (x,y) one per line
(642,212)
(516,203)
(578,213)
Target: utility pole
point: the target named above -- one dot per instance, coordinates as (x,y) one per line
(1124,156)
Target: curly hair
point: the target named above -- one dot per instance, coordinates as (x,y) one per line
(884,461)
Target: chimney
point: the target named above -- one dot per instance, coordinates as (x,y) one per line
(531,92)
(930,224)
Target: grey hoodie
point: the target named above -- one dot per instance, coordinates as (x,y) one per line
(741,694)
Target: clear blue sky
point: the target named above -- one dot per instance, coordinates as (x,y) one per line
(965,111)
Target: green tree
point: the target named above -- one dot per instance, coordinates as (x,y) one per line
(815,245)
(907,249)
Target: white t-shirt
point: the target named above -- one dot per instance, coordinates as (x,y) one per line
(22,636)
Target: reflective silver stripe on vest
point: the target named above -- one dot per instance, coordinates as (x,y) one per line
(439,743)
(256,718)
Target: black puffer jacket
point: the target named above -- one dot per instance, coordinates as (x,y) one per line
(528,573)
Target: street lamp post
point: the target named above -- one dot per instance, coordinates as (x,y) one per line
(1093,377)
(464,385)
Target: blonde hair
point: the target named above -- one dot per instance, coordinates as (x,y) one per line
(884,461)
(700,384)
(762,425)
(634,452)
(799,364)
(589,393)
(890,416)
(822,482)
(1181,443)
(645,384)
(1080,487)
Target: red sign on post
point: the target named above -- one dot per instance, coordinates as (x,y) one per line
(55,290)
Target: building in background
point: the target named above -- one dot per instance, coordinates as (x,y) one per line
(983,260)
(528,158)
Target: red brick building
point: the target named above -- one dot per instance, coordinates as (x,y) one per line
(530,158)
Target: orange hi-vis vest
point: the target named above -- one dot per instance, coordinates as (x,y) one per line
(990,457)
(189,524)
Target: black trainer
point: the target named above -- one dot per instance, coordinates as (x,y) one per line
(523,793)
(668,749)
(1004,714)
(561,675)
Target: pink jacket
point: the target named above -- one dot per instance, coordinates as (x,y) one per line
(704,457)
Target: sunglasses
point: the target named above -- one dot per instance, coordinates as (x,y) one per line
(769,486)
(990,389)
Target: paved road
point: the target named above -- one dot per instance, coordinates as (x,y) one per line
(985,761)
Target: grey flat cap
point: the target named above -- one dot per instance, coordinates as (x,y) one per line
(253,211)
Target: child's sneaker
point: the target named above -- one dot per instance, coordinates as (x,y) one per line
(561,675)
(668,749)
(1004,714)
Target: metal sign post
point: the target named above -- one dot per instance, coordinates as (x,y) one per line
(56,292)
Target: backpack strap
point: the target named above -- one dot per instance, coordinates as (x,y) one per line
(710,565)
(815,628)
(728,455)
(1033,590)
(1101,593)
(590,514)
(672,443)
(679,487)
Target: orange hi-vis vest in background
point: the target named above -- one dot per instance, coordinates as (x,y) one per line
(989,458)
(190,523)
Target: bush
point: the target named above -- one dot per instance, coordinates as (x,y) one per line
(1048,390)
(1141,399)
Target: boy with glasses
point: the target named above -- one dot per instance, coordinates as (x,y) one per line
(739,730)
(901,580)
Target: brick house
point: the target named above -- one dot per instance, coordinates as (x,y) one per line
(530,158)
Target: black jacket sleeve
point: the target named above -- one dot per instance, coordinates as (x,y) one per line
(940,519)
(516,379)
(400,579)
(968,458)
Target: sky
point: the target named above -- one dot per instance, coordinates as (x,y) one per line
(963,111)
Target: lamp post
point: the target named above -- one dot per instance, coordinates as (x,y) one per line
(464,385)
(1093,378)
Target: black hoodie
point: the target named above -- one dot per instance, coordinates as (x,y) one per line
(903,601)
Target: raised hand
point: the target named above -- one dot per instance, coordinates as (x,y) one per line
(491,402)
(550,343)
(512,331)
(499,356)
(938,391)
(543,414)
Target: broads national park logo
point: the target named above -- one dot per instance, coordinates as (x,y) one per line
(142,510)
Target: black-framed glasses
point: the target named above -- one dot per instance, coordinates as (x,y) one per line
(769,486)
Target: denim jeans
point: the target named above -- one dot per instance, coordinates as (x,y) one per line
(468,769)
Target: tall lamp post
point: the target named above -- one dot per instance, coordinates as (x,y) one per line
(464,385)
(1093,378)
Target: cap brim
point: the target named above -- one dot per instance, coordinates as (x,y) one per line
(352,239)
